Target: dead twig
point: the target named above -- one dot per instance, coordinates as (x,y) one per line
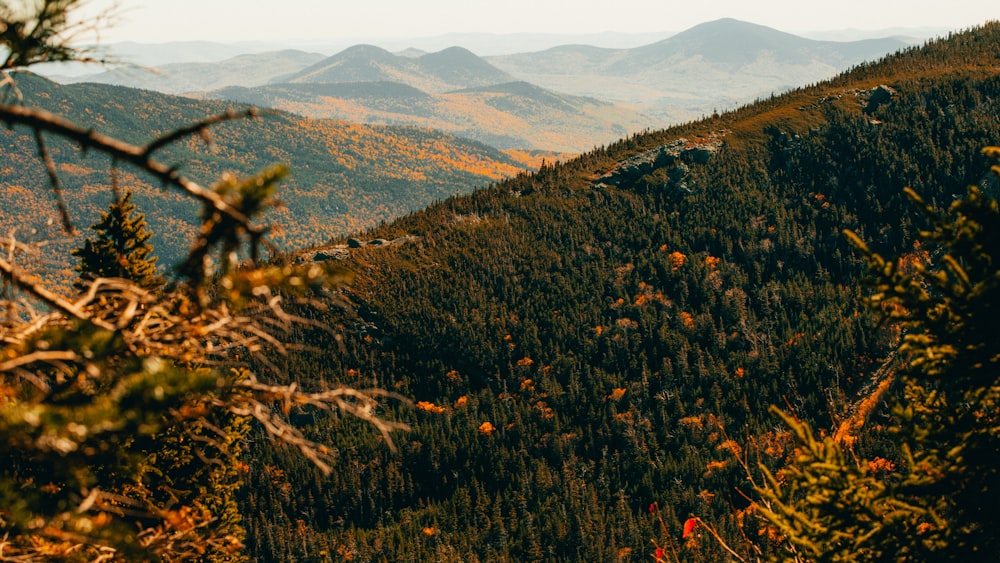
(50,168)
(198,128)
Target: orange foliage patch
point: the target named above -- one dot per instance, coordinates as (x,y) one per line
(696,422)
(676,259)
(730,446)
(687,320)
(881,465)
(714,466)
(429,407)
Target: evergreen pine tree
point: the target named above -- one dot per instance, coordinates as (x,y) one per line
(121,247)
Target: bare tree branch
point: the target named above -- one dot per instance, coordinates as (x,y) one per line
(49,298)
(198,128)
(39,356)
(50,168)
(139,157)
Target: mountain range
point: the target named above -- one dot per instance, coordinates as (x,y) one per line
(607,92)
(247,69)
(445,70)
(712,66)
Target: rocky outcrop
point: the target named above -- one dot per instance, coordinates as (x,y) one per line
(343,251)
(673,156)
(333,253)
(878,96)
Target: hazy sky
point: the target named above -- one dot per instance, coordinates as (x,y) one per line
(240,20)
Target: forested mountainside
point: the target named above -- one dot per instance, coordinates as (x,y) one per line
(344,176)
(588,346)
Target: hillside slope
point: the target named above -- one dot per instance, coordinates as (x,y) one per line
(344,176)
(583,342)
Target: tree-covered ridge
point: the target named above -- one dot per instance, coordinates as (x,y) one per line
(583,345)
(344,176)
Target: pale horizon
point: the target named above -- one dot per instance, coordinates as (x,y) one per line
(318,21)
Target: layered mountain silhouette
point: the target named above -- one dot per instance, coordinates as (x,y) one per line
(714,65)
(583,95)
(442,71)
(178,78)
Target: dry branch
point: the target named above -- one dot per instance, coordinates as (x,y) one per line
(140,157)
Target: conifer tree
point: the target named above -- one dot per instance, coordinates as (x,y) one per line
(121,247)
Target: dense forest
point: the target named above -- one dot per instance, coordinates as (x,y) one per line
(592,347)
(645,352)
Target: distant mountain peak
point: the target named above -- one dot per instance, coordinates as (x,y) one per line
(452,51)
(733,35)
(362,49)
(448,69)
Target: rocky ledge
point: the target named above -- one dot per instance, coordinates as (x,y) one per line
(342,251)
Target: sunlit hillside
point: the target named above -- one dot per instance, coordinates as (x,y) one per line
(344,176)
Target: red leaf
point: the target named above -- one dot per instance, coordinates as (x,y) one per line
(689,526)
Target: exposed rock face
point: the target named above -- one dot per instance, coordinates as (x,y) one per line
(879,96)
(673,154)
(701,153)
(328,254)
(343,251)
